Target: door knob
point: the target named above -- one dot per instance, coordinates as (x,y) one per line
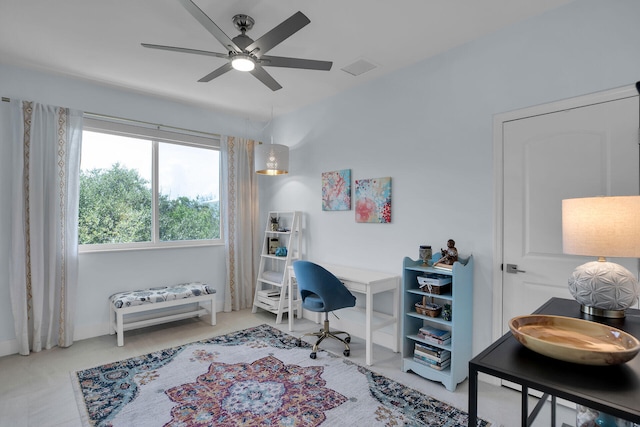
(513,268)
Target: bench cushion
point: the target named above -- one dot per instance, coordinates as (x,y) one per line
(160,294)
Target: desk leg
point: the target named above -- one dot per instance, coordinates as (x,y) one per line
(396,316)
(369,327)
(524,410)
(290,314)
(473,397)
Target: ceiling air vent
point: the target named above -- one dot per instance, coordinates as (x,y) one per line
(361,66)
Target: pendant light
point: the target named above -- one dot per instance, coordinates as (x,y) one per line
(271,159)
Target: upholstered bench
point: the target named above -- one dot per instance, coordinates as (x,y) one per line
(148,307)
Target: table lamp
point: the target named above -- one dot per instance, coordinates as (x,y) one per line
(602,227)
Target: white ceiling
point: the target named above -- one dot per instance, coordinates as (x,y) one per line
(99,40)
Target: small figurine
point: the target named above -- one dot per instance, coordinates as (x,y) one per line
(274,223)
(449,255)
(446,312)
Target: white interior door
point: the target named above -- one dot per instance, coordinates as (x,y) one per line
(586,151)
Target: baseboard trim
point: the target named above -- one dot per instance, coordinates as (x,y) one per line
(8,347)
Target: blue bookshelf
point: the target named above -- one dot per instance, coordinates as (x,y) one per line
(461,324)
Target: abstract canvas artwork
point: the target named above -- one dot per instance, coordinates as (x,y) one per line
(373,200)
(336,190)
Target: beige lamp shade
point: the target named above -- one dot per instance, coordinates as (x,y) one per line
(271,159)
(601,226)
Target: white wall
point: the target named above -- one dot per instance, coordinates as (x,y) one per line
(102,274)
(429,127)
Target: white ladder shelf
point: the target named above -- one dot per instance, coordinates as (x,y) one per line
(271,290)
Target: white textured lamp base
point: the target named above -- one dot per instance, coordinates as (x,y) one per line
(604,288)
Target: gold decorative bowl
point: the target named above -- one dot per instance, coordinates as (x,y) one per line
(574,340)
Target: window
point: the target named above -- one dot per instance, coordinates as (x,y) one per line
(144,187)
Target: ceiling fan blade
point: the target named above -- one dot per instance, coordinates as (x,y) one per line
(185,50)
(209,25)
(278,34)
(308,64)
(216,73)
(262,75)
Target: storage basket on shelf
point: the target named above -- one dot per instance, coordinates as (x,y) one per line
(428,308)
(435,284)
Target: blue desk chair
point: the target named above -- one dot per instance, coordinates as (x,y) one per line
(322,292)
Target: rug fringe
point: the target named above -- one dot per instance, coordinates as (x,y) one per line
(80,403)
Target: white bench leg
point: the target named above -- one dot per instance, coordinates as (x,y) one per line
(120,328)
(213,309)
(112,318)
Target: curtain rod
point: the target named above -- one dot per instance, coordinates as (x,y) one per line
(157,125)
(122,119)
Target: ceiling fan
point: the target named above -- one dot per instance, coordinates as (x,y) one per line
(244,53)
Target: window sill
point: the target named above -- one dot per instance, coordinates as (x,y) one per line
(87,249)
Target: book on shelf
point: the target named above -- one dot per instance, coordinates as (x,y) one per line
(269,293)
(430,360)
(436,367)
(428,331)
(436,341)
(441,266)
(432,363)
(428,357)
(427,348)
(434,353)
(433,340)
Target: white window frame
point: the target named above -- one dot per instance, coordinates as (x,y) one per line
(156,134)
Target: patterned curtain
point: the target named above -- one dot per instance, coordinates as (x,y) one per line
(45,145)
(240,223)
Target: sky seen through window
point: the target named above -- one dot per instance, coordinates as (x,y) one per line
(184,171)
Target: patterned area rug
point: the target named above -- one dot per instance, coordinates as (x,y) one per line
(254,377)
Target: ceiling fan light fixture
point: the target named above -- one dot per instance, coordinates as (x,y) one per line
(243,62)
(245,54)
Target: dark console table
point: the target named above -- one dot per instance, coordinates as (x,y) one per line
(614,390)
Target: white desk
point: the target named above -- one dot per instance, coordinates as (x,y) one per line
(365,282)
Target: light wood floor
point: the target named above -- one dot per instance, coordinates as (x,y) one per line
(36,390)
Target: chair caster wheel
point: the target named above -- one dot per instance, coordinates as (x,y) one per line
(313,355)
(348,339)
(299,343)
(346,353)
